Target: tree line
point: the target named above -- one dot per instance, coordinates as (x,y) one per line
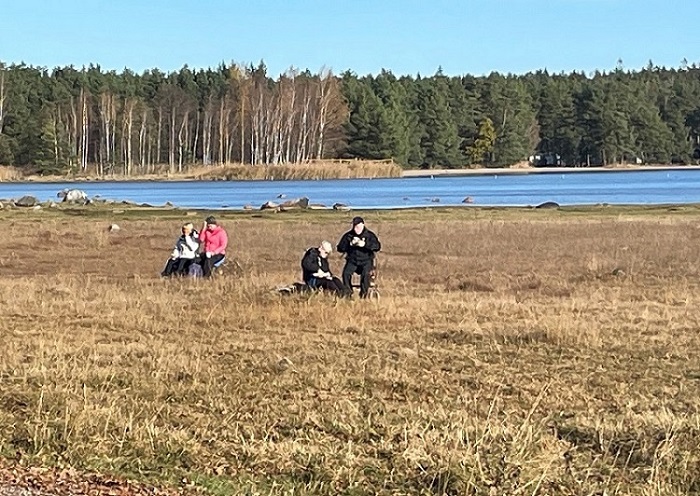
(69,119)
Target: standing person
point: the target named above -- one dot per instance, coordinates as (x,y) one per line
(360,246)
(213,240)
(184,253)
(317,274)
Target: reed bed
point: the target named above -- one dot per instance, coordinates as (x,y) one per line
(331,169)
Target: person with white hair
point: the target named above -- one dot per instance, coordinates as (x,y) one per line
(184,253)
(316,272)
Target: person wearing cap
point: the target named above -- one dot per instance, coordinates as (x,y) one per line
(317,274)
(360,246)
(184,253)
(213,240)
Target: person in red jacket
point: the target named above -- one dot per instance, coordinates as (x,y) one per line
(213,241)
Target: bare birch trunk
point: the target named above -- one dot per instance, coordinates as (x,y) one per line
(142,140)
(84,130)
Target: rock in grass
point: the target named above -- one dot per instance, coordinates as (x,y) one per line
(549,204)
(26,201)
(302,202)
(114,228)
(340,206)
(73,195)
(618,272)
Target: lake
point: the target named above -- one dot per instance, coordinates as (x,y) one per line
(567,188)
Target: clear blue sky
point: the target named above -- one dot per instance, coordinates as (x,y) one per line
(404,36)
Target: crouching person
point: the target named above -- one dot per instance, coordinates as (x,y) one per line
(317,274)
(184,254)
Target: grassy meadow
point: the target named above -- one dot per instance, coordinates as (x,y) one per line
(531,352)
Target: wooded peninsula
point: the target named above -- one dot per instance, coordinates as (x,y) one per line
(78,120)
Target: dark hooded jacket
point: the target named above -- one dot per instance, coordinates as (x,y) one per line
(312,263)
(356,254)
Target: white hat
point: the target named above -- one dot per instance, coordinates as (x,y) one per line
(327,247)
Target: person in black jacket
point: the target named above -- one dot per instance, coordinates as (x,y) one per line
(317,274)
(359,245)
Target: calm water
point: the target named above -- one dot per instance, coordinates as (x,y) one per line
(574,188)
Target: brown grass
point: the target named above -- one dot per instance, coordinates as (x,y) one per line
(504,357)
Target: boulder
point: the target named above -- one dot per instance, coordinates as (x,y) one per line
(113,228)
(26,201)
(73,195)
(269,206)
(549,204)
(340,206)
(302,202)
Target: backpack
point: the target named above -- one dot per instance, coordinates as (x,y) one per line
(195,270)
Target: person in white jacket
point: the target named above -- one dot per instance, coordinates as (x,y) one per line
(184,253)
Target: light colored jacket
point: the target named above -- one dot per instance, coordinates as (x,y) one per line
(186,247)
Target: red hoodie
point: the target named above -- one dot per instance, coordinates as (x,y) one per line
(214,240)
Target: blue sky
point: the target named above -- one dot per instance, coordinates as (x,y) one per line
(406,37)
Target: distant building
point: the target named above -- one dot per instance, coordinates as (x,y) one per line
(545,160)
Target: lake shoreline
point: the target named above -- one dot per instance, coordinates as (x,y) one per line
(485,171)
(406,173)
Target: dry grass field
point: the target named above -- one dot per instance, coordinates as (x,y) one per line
(512,352)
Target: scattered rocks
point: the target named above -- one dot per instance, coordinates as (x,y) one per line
(26,201)
(549,204)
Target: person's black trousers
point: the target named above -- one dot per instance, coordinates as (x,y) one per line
(362,269)
(177,267)
(208,263)
(334,285)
